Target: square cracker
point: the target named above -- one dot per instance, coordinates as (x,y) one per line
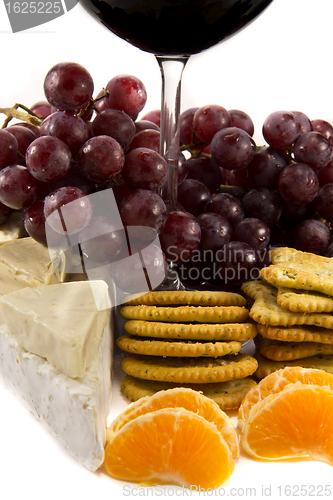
(303,301)
(297,333)
(301,270)
(278,350)
(267,311)
(267,366)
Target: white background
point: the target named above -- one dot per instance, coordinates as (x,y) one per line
(282,61)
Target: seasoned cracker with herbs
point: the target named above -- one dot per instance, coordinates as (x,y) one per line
(228,395)
(266,310)
(189,370)
(267,366)
(178,297)
(198,331)
(278,350)
(302,333)
(177,348)
(203,314)
(304,301)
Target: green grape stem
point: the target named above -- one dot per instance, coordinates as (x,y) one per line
(91,104)
(25,116)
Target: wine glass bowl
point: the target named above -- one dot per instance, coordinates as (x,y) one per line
(175,27)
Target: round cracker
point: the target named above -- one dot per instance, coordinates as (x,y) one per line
(199,331)
(201,314)
(176,348)
(189,370)
(186,297)
(228,395)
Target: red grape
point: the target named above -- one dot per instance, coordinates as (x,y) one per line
(266,166)
(298,183)
(216,231)
(304,121)
(18,188)
(281,129)
(34,222)
(70,128)
(101,158)
(145,125)
(204,169)
(144,210)
(237,262)
(67,210)
(324,202)
(153,116)
(68,86)
(325,175)
(116,124)
(8,149)
(241,120)
(232,148)
(254,232)
(48,159)
(313,149)
(180,237)
(208,120)
(42,109)
(193,195)
(144,169)
(324,128)
(147,138)
(127,93)
(186,133)
(24,137)
(312,236)
(228,206)
(102,240)
(263,204)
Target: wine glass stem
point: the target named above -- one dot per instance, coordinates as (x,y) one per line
(171,71)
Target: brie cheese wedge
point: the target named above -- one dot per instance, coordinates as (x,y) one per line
(62,323)
(74,411)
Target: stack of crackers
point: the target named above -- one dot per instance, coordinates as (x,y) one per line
(188,339)
(293,309)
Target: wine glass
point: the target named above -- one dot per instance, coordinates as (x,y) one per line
(173,30)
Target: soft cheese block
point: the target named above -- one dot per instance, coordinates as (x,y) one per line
(62,323)
(74,411)
(27,263)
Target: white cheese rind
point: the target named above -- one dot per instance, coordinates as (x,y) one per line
(62,323)
(74,411)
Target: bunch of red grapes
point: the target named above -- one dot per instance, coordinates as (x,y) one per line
(236,200)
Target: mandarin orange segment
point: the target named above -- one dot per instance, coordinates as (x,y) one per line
(170,446)
(276,382)
(180,397)
(294,423)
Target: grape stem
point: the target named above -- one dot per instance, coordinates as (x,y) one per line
(26,116)
(91,104)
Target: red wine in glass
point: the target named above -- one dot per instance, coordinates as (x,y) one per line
(173,30)
(171,27)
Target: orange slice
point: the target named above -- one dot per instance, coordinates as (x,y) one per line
(294,423)
(170,446)
(179,397)
(276,382)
